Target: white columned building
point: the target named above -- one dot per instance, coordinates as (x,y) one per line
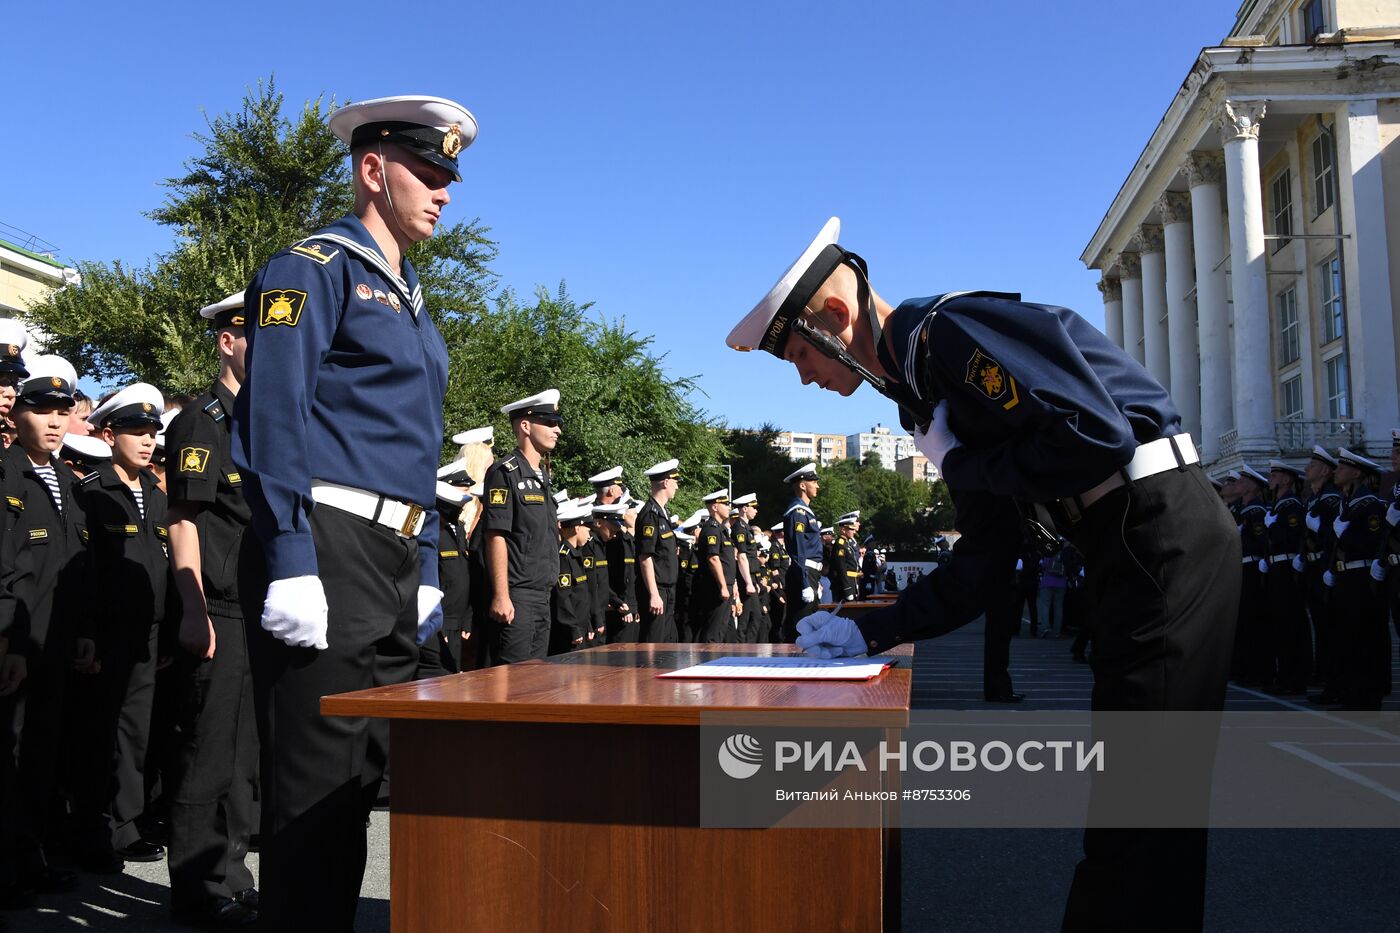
(1270,306)
(1154,303)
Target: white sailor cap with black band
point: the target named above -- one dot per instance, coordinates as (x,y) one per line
(805,472)
(850,518)
(561,497)
(137,405)
(86,449)
(666,469)
(1356,460)
(543,408)
(452,495)
(1233,476)
(748,498)
(454,473)
(694,518)
(1249,472)
(227,312)
(51,382)
(719,495)
(486,435)
(1321,453)
(1282,467)
(1217,482)
(574,513)
(432,128)
(609,477)
(777,529)
(769,324)
(612,512)
(13,339)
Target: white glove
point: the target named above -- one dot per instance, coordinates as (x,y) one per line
(1263,565)
(1392,514)
(295,612)
(1298,563)
(825,635)
(1020,565)
(1328,579)
(1377,571)
(1313,522)
(808,596)
(1339,527)
(1269,519)
(429,613)
(938,440)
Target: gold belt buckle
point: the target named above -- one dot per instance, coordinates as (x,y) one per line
(415,512)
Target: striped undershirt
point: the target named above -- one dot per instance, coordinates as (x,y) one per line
(50,478)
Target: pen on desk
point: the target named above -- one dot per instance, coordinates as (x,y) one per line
(836,609)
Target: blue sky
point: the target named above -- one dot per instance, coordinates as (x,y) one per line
(665,161)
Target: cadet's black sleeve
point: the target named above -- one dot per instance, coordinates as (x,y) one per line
(1049,425)
(648,533)
(193,471)
(500,504)
(956,592)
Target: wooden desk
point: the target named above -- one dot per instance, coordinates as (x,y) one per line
(563,795)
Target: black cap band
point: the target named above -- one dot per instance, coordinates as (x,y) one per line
(779,328)
(135,415)
(439,147)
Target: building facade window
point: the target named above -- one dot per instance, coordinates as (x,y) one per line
(1338,396)
(1281,196)
(1314,19)
(1323,175)
(1290,399)
(1329,289)
(1288,348)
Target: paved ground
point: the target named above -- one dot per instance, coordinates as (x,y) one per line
(966,881)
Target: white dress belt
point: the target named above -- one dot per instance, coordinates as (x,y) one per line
(813,564)
(1149,459)
(405,518)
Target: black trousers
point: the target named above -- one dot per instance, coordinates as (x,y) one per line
(1162,561)
(1365,639)
(799,576)
(777,618)
(33,722)
(1001,623)
(1324,665)
(321,774)
(661,629)
(714,620)
(1288,617)
(750,618)
(527,636)
(110,790)
(212,810)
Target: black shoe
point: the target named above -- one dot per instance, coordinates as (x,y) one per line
(50,880)
(218,913)
(247,897)
(141,851)
(1005,698)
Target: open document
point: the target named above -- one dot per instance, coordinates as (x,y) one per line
(784,668)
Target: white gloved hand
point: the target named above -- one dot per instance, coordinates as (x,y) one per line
(935,442)
(295,611)
(1392,514)
(1298,563)
(826,635)
(808,595)
(1020,564)
(1313,522)
(1328,578)
(1263,565)
(429,613)
(1377,571)
(1269,519)
(1339,527)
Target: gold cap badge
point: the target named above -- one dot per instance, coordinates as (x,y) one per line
(452,141)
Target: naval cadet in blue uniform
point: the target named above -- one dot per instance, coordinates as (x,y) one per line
(1031,415)
(341,496)
(803,531)
(522,531)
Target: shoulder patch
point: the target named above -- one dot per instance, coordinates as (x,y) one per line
(987,376)
(498,497)
(193,459)
(315,251)
(88,479)
(711,539)
(15,503)
(280,306)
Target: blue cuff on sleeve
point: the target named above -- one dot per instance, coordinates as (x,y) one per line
(291,555)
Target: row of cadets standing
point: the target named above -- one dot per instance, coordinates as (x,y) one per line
(714,599)
(803,532)
(1356,573)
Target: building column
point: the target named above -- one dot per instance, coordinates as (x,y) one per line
(1249,286)
(1154,304)
(1112,309)
(1203,173)
(1175,210)
(1130,279)
(1367,287)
